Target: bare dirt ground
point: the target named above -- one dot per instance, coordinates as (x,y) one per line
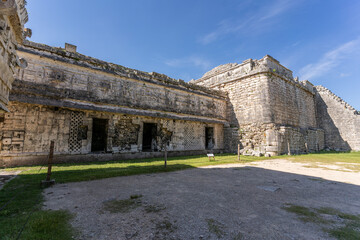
(234,201)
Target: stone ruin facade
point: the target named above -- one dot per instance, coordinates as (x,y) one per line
(95,110)
(270,112)
(13,16)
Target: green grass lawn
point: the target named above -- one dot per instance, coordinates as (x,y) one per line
(324,157)
(346,161)
(24,192)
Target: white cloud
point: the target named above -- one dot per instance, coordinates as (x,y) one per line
(295,44)
(331,59)
(255,21)
(344,74)
(196,61)
(276,9)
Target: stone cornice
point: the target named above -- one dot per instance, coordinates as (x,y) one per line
(82,105)
(246,68)
(24,91)
(322,89)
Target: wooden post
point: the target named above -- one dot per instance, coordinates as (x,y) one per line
(51,155)
(306,147)
(48,181)
(238,152)
(165,156)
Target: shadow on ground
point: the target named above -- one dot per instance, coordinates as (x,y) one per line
(208,203)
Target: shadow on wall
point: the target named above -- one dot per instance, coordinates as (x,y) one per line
(333,138)
(231,132)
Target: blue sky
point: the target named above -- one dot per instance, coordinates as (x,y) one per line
(318,40)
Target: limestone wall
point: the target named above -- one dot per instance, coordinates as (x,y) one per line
(248,111)
(266,105)
(27,130)
(68,82)
(249,100)
(297,140)
(13,16)
(226,73)
(62,95)
(340,121)
(290,104)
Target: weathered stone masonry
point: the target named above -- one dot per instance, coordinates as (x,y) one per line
(63,95)
(271,112)
(340,121)
(13,16)
(95,110)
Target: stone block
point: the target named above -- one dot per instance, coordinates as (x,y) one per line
(6,141)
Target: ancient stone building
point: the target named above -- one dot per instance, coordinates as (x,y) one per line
(270,112)
(95,110)
(13,16)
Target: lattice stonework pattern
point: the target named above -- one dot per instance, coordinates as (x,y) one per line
(75,124)
(193,135)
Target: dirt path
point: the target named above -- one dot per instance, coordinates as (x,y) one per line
(233,201)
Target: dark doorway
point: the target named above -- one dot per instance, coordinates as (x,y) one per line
(99,136)
(209,138)
(149,137)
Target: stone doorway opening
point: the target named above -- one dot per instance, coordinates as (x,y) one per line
(149,137)
(99,135)
(209,138)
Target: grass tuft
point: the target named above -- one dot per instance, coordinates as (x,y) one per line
(215,227)
(345,233)
(154,208)
(305,214)
(52,225)
(165,225)
(123,205)
(349,225)
(135,196)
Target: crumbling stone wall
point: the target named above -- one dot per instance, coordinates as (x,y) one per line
(13,16)
(291,103)
(30,128)
(125,134)
(26,132)
(297,140)
(263,98)
(340,121)
(79,80)
(248,111)
(62,94)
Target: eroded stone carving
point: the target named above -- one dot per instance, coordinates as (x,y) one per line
(13,16)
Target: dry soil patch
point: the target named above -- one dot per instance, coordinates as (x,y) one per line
(233,201)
